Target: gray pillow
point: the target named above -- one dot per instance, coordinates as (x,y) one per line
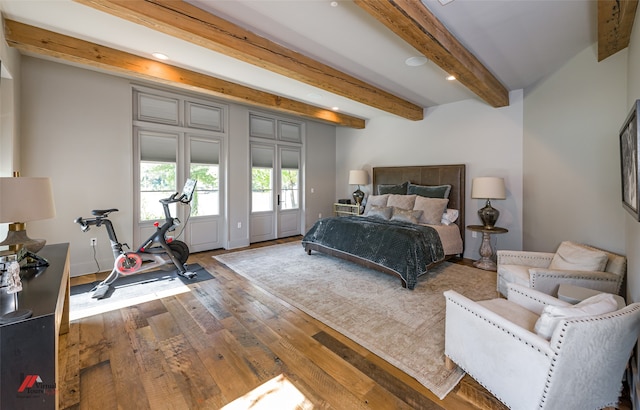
(393,189)
(406,215)
(430,191)
(380,212)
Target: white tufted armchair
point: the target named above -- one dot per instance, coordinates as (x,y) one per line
(580,367)
(536,270)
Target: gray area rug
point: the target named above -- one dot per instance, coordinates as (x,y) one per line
(132,290)
(404,327)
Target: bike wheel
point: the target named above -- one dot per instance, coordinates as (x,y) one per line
(128,263)
(180,250)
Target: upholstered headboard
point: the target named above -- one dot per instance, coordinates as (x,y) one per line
(453,175)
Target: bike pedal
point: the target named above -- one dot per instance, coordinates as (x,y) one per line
(101,291)
(188,275)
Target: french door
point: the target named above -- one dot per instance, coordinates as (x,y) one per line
(175,138)
(276,210)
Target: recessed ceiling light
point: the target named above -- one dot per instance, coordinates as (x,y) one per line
(160,56)
(334,4)
(335,108)
(451,77)
(416,61)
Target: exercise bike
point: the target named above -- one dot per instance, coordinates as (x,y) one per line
(155,252)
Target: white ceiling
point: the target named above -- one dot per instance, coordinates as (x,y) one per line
(519,41)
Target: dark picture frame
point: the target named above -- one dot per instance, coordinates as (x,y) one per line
(629,161)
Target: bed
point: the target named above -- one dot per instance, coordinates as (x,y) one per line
(399,247)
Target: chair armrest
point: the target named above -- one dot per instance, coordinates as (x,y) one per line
(477,338)
(525,258)
(548,280)
(531,299)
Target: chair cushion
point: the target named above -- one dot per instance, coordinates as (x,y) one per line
(595,305)
(573,256)
(512,312)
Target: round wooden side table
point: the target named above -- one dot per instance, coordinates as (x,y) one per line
(486,250)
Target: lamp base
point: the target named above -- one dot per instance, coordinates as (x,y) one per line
(358,196)
(488,215)
(17,238)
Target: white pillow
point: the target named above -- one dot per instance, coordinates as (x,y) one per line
(432,209)
(571,256)
(449,216)
(595,305)
(375,200)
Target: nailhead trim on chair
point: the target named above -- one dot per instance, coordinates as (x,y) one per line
(555,276)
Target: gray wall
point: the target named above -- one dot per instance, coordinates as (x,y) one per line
(77,130)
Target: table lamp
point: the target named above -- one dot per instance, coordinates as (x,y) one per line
(358,177)
(24,199)
(488,188)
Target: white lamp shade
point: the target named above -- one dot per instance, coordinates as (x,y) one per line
(358,177)
(24,199)
(488,188)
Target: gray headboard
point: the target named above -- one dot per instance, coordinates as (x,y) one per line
(453,175)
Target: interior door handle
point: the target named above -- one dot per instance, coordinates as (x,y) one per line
(278,199)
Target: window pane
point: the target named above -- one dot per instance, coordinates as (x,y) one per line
(157,181)
(206,199)
(261,189)
(289,181)
(205,159)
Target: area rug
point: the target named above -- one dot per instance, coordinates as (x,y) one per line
(132,290)
(404,327)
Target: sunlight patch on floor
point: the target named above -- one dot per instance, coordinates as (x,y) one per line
(277,393)
(102,307)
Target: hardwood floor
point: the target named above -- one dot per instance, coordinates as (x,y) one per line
(225,339)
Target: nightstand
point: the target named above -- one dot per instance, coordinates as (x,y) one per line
(486,250)
(346,209)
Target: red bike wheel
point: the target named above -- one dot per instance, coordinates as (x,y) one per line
(128,263)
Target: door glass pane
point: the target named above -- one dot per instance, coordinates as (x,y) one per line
(157,173)
(205,161)
(261,179)
(289,179)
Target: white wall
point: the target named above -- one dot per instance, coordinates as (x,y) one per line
(77,129)
(487,140)
(571,154)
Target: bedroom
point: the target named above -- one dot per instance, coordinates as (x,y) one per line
(555,144)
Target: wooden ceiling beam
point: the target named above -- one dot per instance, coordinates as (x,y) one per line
(415,24)
(43,42)
(189,23)
(615,21)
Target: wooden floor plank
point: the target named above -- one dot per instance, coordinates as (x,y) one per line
(97,387)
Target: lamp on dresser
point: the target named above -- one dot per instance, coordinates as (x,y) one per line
(488,188)
(358,177)
(24,199)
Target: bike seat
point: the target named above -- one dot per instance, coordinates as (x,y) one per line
(103,212)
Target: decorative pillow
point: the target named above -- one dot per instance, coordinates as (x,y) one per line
(393,189)
(406,215)
(375,200)
(401,201)
(430,191)
(572,256)
(432,209)
(449,216)
(595,305)
(381,212)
